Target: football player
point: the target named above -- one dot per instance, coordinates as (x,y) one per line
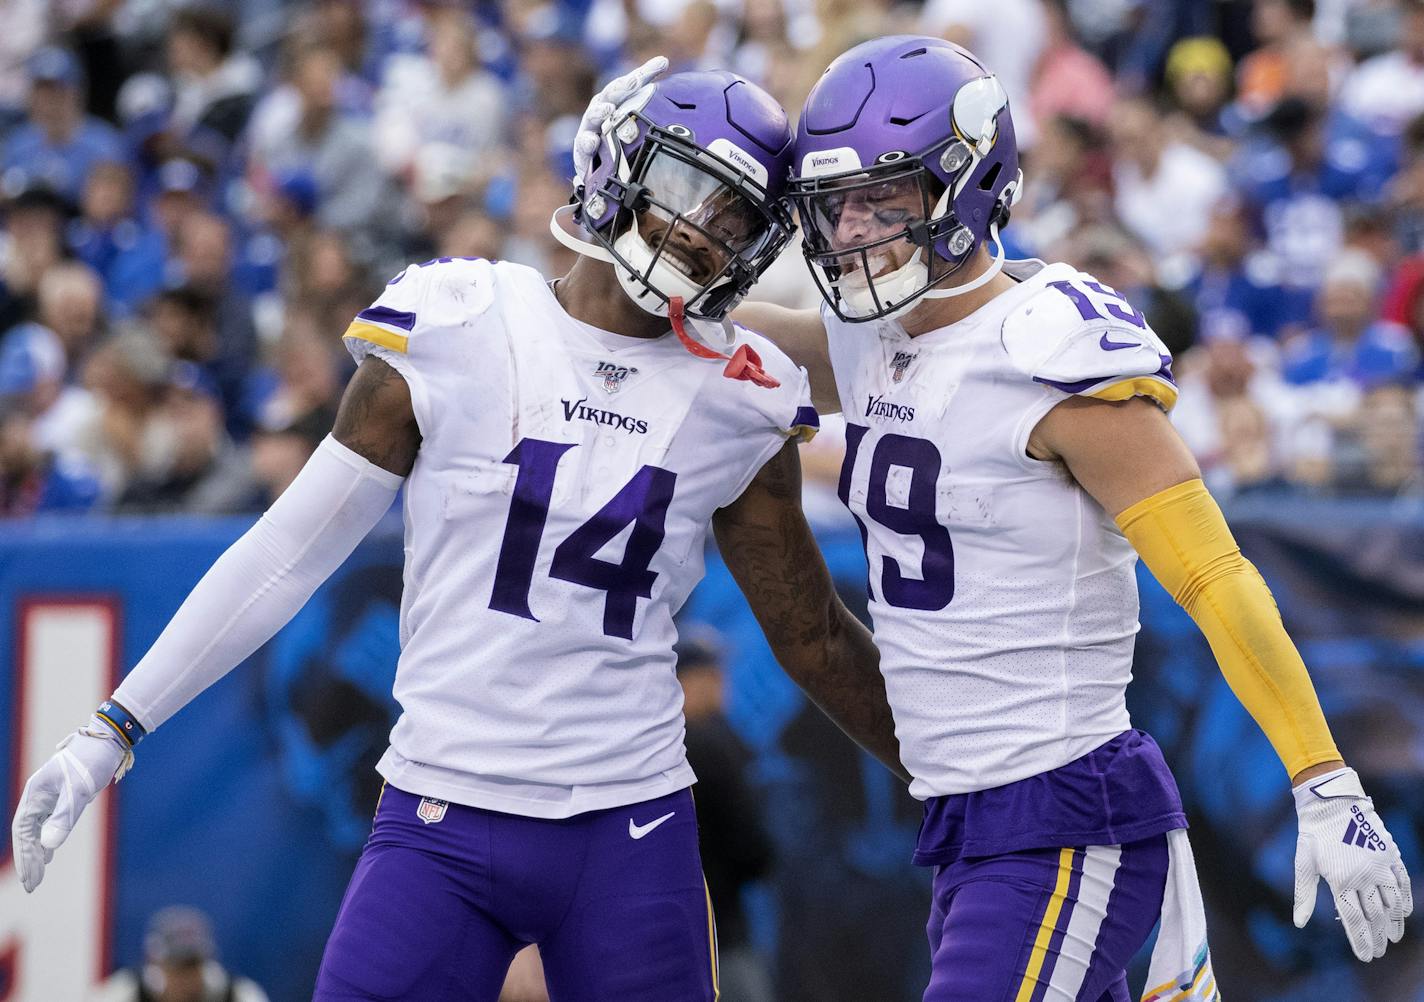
(1008,459)
(562,456)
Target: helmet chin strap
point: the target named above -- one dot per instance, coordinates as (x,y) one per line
(579,246)
(994,268)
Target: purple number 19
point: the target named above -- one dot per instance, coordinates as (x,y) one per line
(934,588)
(1112,302)
(643,503)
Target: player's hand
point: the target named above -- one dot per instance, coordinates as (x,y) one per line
(57,794)
(1343,840)
(604,103)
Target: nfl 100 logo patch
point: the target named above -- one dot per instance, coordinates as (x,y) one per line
(431,811)
(901,362)
(613,375)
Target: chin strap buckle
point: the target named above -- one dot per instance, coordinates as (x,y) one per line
(744,363)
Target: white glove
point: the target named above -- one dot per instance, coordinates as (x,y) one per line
(1343,840)
(58,792)
(604,103)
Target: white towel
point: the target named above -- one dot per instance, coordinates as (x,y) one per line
(1181,961)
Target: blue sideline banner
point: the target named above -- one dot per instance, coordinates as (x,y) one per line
(253,803)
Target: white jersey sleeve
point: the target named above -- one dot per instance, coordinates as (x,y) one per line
(1079,336)
(786,409)
(407,326)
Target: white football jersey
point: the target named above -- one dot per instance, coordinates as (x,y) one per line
(554,522)
(1003,595)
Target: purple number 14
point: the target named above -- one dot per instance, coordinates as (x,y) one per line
(643,502)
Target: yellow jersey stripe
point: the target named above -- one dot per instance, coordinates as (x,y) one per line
(1039,953)
(363,331)
(1159,390)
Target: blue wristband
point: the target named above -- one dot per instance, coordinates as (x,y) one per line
(123,723)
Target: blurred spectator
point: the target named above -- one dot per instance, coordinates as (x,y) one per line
(1237,288)
(1119,263)
(59,144)
(1351,344)
(1262,75)
(33,377)
(473,233)
(22,30)
(1199,87)
(1068,184)
(34,481)
(736,849)
(1009,35)
(215,86)
(109,237)
(334,149)
(180,964)
(280,452)
(33,242)
(536,195)
(71,303)
(1388,90)
(1230,405)
(186,322)
(1068,80)
(125,375)
(189,463)
(204,263)
(1303,166)
(182,192)
(307,380)
(1404,196)
(1165,188)
(442,105)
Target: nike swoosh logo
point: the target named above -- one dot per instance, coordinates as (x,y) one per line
(1107,345)
(638,831)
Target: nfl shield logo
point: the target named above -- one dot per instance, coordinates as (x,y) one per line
(431,811)
(901,362)
(613,375)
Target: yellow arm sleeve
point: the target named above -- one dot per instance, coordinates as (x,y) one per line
(1184,541)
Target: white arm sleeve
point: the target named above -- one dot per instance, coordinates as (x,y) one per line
(261,581)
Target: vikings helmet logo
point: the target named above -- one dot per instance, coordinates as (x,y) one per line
(613,375)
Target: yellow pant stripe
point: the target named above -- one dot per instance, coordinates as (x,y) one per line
(377,335)
(712,941)
(1039,953)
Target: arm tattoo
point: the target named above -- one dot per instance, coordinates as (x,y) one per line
(376,419)
(768,547)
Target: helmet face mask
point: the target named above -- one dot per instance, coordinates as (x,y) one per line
(868,236)
(685,195)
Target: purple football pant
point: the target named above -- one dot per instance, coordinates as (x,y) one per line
(435,911)
(1044,925)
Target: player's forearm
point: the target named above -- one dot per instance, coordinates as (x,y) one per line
(842,677)
(261,581)
(1185,542)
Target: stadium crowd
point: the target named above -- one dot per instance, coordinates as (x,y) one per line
(197,199)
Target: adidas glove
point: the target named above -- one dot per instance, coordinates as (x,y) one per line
(618,90)
(58,792)
(1343,840)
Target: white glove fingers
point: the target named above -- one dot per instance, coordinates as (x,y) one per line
(1307,877)
(36,804)
(1393,912)
(1372,905)
(650,70)
(1406,889)
(1352,917)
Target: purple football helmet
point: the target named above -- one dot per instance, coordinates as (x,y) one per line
(686,195)
(905,163)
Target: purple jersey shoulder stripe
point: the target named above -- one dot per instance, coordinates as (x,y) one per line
(1082,385)
(386,315)
(806,416)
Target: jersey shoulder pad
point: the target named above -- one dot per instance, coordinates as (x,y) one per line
(786,407)
(420,302)
(1081,337)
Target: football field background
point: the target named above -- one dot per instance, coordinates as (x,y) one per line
(252,803)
